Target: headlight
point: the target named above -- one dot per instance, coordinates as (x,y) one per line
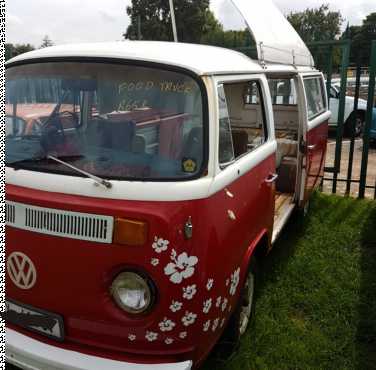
(132,292)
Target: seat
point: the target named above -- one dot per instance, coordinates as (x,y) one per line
(240,142)
(286,148)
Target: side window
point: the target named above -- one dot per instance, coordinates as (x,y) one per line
(283,91)
(315,92)
(242,119)
(226,150)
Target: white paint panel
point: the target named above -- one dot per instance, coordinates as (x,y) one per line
(74,225)
(277,41)
(29,353)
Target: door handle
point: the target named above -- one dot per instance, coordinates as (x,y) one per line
(311,147)
(272,178)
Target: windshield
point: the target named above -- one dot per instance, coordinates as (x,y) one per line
(113,121)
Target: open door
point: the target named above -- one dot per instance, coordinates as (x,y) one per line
(277,41)
(316,122)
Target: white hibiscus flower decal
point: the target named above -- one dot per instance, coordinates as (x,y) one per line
(222,322)
(235,278)
(166,325)
(154,262)
(131,337)
(224,304)
(169,341)
(218,303)
(189,292)
(207,306)
(181,267)
(183,335)
(215,324)
(160,245)
(176,306)
(209,284)
(206,326)
(150,336)
(189,318)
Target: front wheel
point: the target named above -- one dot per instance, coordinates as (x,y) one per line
(244,312)
(358,129)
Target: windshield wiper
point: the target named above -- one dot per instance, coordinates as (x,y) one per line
(97,179)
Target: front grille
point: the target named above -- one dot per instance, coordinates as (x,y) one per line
(75,225)
(10,213)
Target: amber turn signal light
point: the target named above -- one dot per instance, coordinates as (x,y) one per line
(130,232)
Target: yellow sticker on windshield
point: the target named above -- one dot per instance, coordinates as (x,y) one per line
(189,165)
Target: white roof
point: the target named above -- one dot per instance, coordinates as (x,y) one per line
(200,59)
(277,41)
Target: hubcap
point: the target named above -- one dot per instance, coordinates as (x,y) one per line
(247,302)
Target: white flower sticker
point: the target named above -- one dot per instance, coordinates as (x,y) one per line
(224,304)
(235,278)
(154,262)
(183,335)
(150,336)
(189,292)
(131,337)
(215,324)
(169,341)
(206,326)
(181,267)
(176,306)
(166,325)
(207,306)
(160,245)
(222,322)
(218,303)
(209,284)
(189,318)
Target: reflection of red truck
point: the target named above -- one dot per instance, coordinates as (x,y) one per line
(147,240)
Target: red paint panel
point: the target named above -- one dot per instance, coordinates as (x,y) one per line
(202,276)
(317,139)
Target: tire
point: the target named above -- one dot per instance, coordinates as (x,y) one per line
(243,314)
(359,125)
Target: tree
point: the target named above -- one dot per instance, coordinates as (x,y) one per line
(194,20)
(12,50)
(47,42)
(317,24)
(362,37)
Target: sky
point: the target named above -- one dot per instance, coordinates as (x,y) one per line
(68,21)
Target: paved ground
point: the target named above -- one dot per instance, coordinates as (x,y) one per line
(371,176)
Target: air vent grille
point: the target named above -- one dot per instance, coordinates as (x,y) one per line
(68,224)
(10,213)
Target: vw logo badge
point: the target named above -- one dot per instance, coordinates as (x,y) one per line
(21,270)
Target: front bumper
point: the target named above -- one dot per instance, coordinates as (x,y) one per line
(30,354)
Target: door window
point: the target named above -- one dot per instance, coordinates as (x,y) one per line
(315,92)
(242,119)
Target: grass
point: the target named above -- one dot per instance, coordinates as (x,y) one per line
(316,301)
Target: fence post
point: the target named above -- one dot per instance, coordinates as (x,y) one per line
(341,113)
(367,130)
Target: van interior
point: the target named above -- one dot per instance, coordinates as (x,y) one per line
(248,128)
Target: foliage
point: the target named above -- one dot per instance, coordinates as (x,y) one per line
(47,42)
(12,50)
(316,304)
(362,37)
(154,20)
(317,24)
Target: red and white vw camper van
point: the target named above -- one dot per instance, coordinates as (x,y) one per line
(142,179)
